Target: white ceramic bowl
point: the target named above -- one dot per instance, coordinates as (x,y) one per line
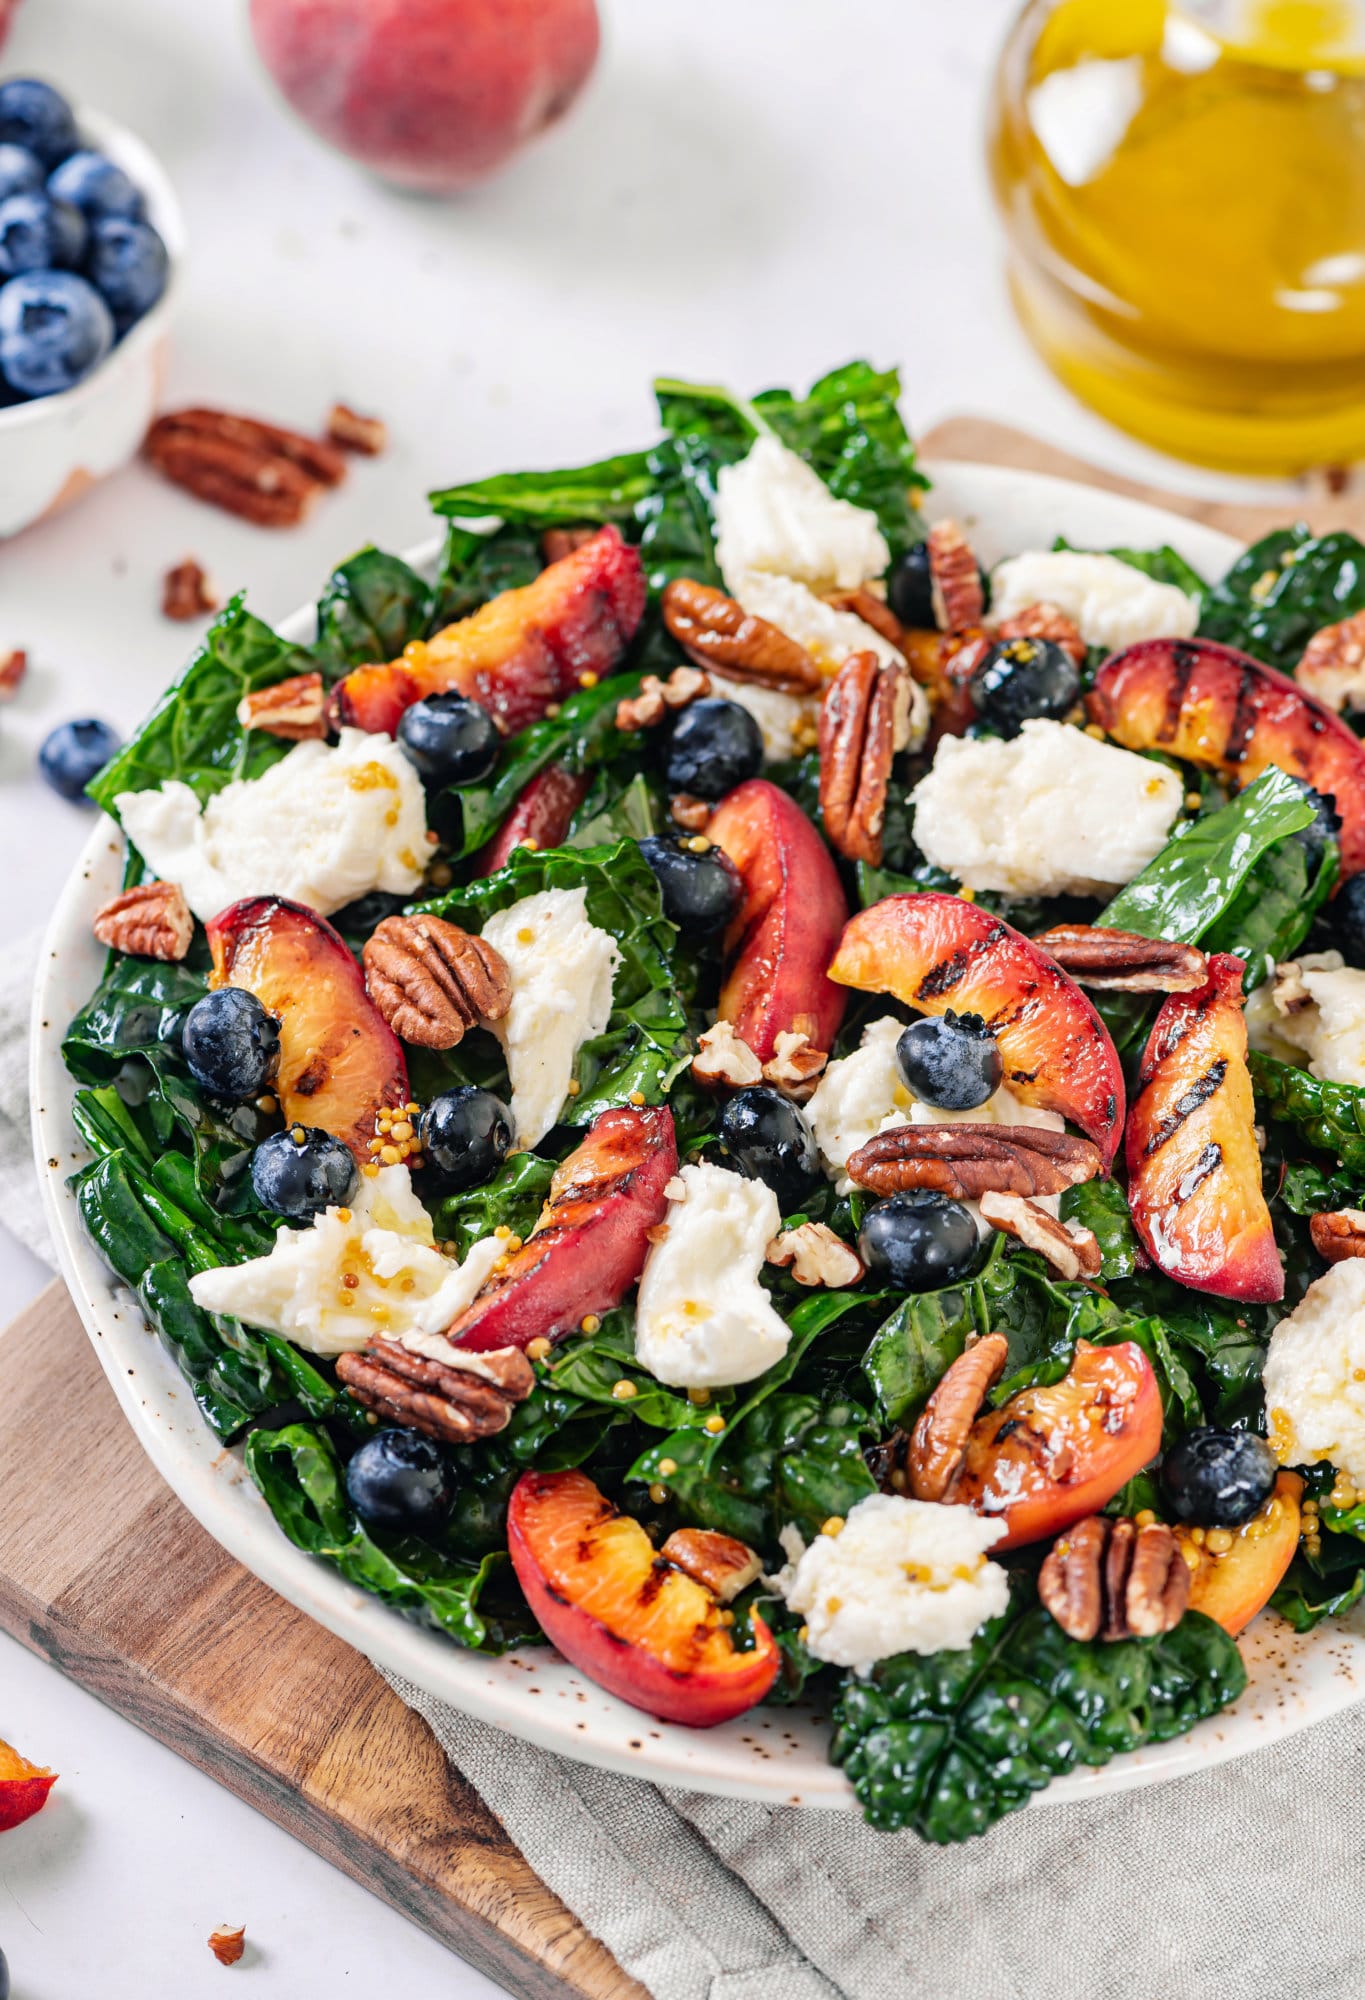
(54,448)
(777,1755)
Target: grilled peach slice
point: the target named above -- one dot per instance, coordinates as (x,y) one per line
(1050,1456)
(519,652)
(542,816)
(794,908)
(23,1788)
(935,952)
(626,1615)
(340,1062)
(589,1246)
(1194,1169)
(1232,1585)
(1224,711)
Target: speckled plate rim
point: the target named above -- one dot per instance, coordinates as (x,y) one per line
(777,1756)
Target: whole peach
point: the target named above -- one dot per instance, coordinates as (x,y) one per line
(432,94)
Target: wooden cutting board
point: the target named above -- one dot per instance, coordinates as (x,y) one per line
(120,1588)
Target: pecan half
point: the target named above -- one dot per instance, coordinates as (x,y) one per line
(294,709)
(716,632)
(1105,1579)
(265,474)
(1071,1250)
(864,721)
(1123,961)
(151,921)
(657,698)
(795,1064)
(556,543)
(938,1442)
(721,1563)
(352,432)
(13,667)
(725,1062)
(227,1943)
(693,815)
(1333,664)
(186,591)
(873,610)
(1045,621)
(432,981)
(954,578)
(456,1397)
(1338,1234)
(967,1161)
(816,1256)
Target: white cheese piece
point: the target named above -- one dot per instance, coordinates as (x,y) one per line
(562,968)
(404,1287)
(1322,1013)
(829,636)
(702,1320)
(1113,603)
(780,717)
(775,513)
(322,827)
(1049,813)
(900,1576)
(1314,1375)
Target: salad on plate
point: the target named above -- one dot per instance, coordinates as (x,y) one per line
(705,1082)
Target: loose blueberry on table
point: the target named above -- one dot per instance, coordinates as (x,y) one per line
(75,752)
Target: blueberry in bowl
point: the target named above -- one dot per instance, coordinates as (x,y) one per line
(21,172)
(97,186)
(40,234)
(37,117)
(54,328)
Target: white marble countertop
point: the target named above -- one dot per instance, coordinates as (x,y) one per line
(748,193)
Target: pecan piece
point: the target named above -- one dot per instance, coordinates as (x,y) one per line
(227,1943)
(864,721)
(693,815)
(186,591)
(954,578)
(722,1564)
(657,698)
(352,432)
(1123,961)
(151,921)
(432,981)
(1338,1234)
(556,543)
(816,1256)
(724,1061)
(1071,1250)
(967,1161)
(938,1442)
(1333,664)
(873,610)
(294,709)
(1115,1580)
(1045,621)
(795,1064)
(716,632)
(13,667)
(444,1394)
(265,474)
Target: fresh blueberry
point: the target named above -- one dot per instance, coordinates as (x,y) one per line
(97,187)
(1218,1479)
(128,263)
(400,1482)
(951,1061)
(37,117)
(715,746)
(908,589)
(465,1134)
(700,892)
(769,1140)
(1346,918)
(21,172)
(920,1240)
(74,753)
(1324,826)
(231,1044)
(54,330)
(39,234)
(300,1172)
(449,739)
(1021,679)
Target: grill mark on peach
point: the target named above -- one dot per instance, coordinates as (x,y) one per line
(1184,660)
(1244,718)
(1185,1106)
(943,977)
(1208,1163)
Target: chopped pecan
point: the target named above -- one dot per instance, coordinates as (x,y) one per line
(1045,621)
(954,578)
(444,1392)
(873,610)
(13,667)
(723,1060)
(716,632)
(938,1442)
(816,1256)
(864,721)
(794,1064)
(966,1161)
(657,698)
(432,981)
(151,921)
(1070,1249)
(556,543)
(352,432)
(294,709)
(1333,664)
(1123,961)
(721,1563)
(186,591)
(693,815)
(1338,1234)
(265,474)
(1105,1579)
(228,1943)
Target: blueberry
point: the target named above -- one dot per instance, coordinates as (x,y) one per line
(920,1241)
(1020,679)
(54,330)
(700,892)
(465,1134)
(908,590)
(449,739)
(97,187)
(951,1061)
(1218,1479)
(1346,918)
(21,172)
(768,1139)
(299,1177)
(715,746)
(39,234)
(128,263)
(1324,826)
(401,1482)
(231,1044)
(74,753)
(34,115)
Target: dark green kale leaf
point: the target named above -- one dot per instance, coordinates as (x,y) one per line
(1273,911)
(1102,1207)
(609,490)
(478,563)
(1282,590)
(1327,1116)
(372,606)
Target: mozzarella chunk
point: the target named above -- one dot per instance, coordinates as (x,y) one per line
(1050,813)
(1314,1374)
(1113,603)
(781,718)
(323,826)
(858,1096)
(775,513)
(702,1320)
(900,1576)
(562,969)
(404,1288)
(829,636)
(1320,1010)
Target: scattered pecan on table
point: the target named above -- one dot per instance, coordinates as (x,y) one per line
(187,592)
(1106,1579)
(13,667)
(350,431)
(261,472)
(227,1943)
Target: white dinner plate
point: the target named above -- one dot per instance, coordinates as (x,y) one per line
(777,1755)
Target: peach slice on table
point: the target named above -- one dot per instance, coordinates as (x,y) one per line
(23,1787)
(340,1062)
(1232,1585)
(624,1613)
(937,952)
(779,945)
(541,817)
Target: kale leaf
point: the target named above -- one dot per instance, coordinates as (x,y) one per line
(583,737)
(1282,590)
(372,606)
(609,490)
(1327,1116)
